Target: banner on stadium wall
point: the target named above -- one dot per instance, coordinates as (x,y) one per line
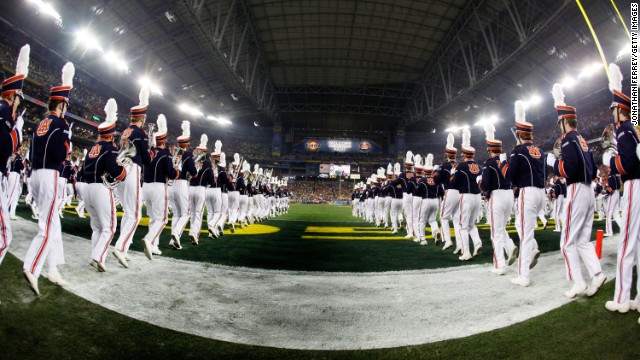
(276,141)
(312,169)
(338,145)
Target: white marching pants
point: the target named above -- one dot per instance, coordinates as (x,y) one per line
(499,211)
(407,206)
(354,208)
(80,190)
(449,211)
(213,201)
(197,202)
(5,225)
(469,205)
(396,209)
(62,192)
(69,194)
(234,206)
(558,211)
(416,206)
(243,208)
(48,242)
(628,249)
(612,212)
(386,209)
(530,202)
(427,210)
(576,233)
(180,206)
(156,196)
(224,211)
(101,206)
(13,192)
(130,195)
(379,203)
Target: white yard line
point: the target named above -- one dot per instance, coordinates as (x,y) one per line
(312,310)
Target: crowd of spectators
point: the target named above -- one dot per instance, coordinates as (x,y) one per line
(319,191)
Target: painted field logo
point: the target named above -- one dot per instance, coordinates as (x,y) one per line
(312,145)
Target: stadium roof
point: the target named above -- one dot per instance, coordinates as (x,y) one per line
(340,64)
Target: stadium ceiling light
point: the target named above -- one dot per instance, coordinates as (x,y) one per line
(116,60)
(590,70)
(224,121)
(568,82)
(88,40)
(491,119)
(47,9)
(153,87)
(624,51)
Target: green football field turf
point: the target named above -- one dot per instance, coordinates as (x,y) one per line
(315,238)
(63,325)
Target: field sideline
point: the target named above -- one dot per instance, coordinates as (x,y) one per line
(42,328)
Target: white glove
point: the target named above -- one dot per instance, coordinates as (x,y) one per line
(551,160)
(503,157)
(638,151)
(153,140)
(453,171)
(70,132)
(606,158)
(437,167)
(479,179)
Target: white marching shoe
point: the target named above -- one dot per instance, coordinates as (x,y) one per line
(148,248)
(121,259)
(98,265)
(534,258)
(457,251)
(447,245)
(520,281)
(577,289)
(13,217)
(616,306)
(498,271)
(423,242)
(156,250)
(55,277)
(33,282)
(465,257)
(477,251)
(513,255)
(596,282)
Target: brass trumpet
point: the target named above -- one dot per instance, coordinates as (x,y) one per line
(608,139)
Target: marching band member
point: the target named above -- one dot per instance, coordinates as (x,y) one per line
(465,179)
(525,169)
(199,188)
(388,194)
(214,196)
(576,164)
(560,192)
(129,191)
(179,191)
(613,190)
(49,148)
(234,193)
(427,192)
(449,208)
(11,138)
(407,198)
(80,188)
(627,164)
(16,168)
(416,200)
(155,189)
(221,182)
(397,185)
(498,191)
(241,186)
(98,198)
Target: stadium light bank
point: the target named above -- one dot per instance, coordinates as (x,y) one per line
(46,9)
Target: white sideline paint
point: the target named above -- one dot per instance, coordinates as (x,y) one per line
(312,310)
